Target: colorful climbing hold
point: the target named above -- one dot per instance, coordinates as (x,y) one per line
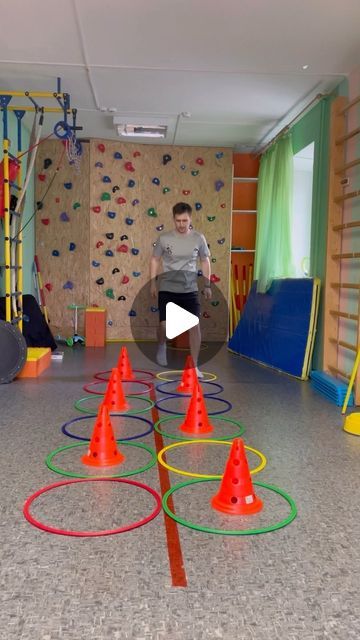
(72,246)
(166,190)
(218,185)
(101,147)
(135,202)
(115,270)
(95,263)
(198,206)
(129,166)
(45,221)
(110,236)
(156,181)
(111,214)
(199,161)
(221,241)
(186,192)
(39,205)
(124,237)
(76,205)
(99,164)
(132,313)
(166,158)
(152,213)
(105,196)
(195,172)
(121,298)
(219,155)
(211,218)
(136,154)
(47,163)
(68,285)
(136,274)
(125,279)
(131,184)
(117,155)
(42,177)
(68,185)
(115,188)
(215,303)
(48,286)
(160,227)
(122,248)
(183,167)
(200,273)
(57,199)
(99,244)
(213,260)
(106,179)
(154,309)
(110,323)
(64,217)
(206,314)
(135,251)
(110,294)
(100,281)
(109,253)
(96,209)
(223,205)
(56,253)
(121,200)
(214,278)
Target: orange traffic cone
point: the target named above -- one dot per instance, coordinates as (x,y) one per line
(196,421)
(124,365)
(114,397)
(236,494)
(103,451)
(189,377)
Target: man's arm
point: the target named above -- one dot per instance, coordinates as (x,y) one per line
(154,270)
(206,270)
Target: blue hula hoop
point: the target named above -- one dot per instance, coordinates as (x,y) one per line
(180,413)
(160,388)
(140,435)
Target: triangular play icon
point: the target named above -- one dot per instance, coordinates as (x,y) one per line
(178,320)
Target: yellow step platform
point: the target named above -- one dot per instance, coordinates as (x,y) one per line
(37,360)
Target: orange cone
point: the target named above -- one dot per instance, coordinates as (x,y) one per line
(236,494)
(103,451)
(114,398)
(189,377)
(124,365)
(196,421)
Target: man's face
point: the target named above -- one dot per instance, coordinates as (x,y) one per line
(182,222)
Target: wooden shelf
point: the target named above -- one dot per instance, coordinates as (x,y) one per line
(244,210)
(242,250)
(240,179)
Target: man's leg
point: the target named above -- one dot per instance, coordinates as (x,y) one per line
(161,352)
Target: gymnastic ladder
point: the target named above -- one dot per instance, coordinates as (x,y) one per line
(337,291)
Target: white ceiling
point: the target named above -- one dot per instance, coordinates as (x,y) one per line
(234,65)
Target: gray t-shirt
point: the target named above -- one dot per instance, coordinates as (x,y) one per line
(180,254)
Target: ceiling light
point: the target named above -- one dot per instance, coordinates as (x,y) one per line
(305,66)
(141,131)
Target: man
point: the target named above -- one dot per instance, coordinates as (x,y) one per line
(180,251)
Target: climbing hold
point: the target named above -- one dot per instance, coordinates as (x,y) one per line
(57,200)
(199,273)
(64,217)
(110,323)
(110,294)
(45,221)
(206,314)
(100,281)
(115,189)
(39,205)
(122,248)
(109,253)
(121,298)
(213,259)
(115,270)
(96,209)
(125,279)
(154,309)
(135,251)
(186,192)
(218,185)
(223,205)
(106,179)
(214,278)
(48,286)
(101,147)
(110,236)
(95,263)
(135,202)
(99,244)
(117,155)
(56,253)
(42,177)
(99,164)
(132,313)
(121,200)
(136,274)
(47,163)
(152,213)
(219,155)
(166,190)
(76,205)
(195,172)
(105,196)
(166,158)
(129,166)
(183,167)
(68,285)
(160,227)
(198,206)
(199,161)
(111,214)
(154,244)
(68,185)
(72,246)
(156,181)
(215,303)
(211,218)
(221,241)
(124,237)
(136,154)
(131,184)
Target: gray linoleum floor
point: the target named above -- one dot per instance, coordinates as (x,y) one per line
(301,582)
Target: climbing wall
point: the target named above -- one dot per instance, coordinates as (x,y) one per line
(62,233)
(131,192)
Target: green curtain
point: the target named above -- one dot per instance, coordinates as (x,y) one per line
(274,204)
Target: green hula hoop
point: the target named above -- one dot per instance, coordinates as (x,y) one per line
(69,474)
(237,434)
(149,403)
(231,532)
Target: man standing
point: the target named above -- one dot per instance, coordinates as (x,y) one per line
(180,251)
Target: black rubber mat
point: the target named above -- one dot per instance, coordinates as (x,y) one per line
(13,351)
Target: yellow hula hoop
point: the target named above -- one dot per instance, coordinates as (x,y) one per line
(161,376)
(260,466)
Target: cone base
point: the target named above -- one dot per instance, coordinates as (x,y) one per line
(237,508)
(196,431)
(110,462)
(352,424)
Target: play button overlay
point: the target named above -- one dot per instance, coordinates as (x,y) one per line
(178,320)
(143,313)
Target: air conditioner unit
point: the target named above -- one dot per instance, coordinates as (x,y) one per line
(128,127)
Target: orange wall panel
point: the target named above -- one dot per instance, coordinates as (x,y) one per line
(244,195)
(245,165)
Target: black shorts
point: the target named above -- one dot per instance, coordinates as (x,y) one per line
(188,301)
